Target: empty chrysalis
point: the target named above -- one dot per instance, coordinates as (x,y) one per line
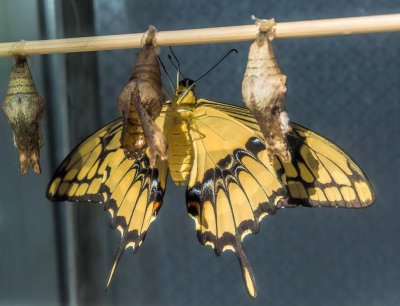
(140,103)
(24,110)
(263,90)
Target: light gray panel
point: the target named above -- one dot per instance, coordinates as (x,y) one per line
(28,273)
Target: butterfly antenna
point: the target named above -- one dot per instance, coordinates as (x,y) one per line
(167,74)
(209,70)
(177,66)
(177,69)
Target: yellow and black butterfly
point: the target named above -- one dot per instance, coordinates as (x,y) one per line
(219,151)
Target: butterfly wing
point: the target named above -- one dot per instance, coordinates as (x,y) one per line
(232,186)
(98,171)
(320,173)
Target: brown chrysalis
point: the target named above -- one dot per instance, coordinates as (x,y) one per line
(140,102)
(24,110)
(263,90)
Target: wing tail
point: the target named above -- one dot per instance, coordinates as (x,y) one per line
(117,257)
(247,273)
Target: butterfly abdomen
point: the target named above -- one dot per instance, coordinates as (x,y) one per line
(180,148)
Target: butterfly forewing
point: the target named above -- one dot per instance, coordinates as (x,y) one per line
(98,171)
(320,173)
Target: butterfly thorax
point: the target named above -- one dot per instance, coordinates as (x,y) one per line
(176,129)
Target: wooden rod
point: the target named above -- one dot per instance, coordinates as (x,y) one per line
(308,28)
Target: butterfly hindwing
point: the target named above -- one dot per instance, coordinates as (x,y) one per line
(232,186)
(98,171)
(320,173)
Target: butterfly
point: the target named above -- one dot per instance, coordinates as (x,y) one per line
(219,152)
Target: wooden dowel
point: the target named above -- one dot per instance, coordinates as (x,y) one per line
(308,28)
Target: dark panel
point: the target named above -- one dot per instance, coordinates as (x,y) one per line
(345,88)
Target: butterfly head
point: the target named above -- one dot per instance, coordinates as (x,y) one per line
(184,94)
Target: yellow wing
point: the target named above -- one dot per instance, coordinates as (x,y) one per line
(98,171)
(232,186)
(320,173)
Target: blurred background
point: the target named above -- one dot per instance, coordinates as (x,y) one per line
(345,88)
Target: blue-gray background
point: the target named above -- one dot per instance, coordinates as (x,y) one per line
(346,88)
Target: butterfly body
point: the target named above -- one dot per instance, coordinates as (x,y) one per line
(175,123)
(219,151)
